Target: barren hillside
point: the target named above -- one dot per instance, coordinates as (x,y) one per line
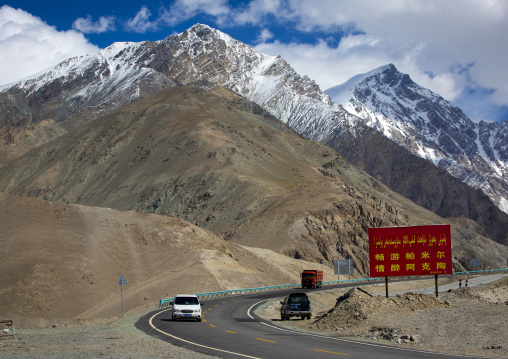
(222,163)
(61,263)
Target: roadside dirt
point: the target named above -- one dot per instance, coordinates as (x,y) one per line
(469,321)
(117,338)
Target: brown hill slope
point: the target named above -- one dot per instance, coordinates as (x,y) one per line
(62,262)
(221,162)
(419,180)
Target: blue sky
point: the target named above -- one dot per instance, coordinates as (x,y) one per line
(456,48)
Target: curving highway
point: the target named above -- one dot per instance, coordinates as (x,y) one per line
(230,329)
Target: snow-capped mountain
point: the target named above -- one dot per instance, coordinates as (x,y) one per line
(430,127)
(82,88)
(109,78)
(201,55)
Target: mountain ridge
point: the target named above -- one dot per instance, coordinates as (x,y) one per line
(200,55)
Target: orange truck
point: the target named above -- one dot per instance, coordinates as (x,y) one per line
(312,278)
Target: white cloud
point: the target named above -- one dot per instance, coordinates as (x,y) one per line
(88,26)
(351,42)
(183,10)
(256,10)
(265,35)
(141,22)
(29,45)
(326,65)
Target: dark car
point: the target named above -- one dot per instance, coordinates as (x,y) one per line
(295,305)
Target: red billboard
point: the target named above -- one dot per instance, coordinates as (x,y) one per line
(409,251)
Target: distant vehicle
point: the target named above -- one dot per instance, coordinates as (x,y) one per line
(186,306)
(312,278)
(295,305)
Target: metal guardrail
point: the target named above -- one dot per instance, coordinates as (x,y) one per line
(163,303)
(482,271)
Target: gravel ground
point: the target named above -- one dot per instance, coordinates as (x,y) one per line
(114,339)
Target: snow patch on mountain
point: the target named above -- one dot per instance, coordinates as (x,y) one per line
(430,127)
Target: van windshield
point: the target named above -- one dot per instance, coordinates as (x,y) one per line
(187,300)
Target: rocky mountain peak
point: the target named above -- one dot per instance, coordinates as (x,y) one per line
(430,127)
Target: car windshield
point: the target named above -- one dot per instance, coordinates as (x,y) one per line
(299,299)
(186,300)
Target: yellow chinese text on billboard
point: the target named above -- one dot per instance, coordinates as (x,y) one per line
(408,251)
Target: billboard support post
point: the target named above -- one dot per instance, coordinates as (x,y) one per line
(437,286)
(386,285)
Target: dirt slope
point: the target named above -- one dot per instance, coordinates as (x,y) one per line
(61,263)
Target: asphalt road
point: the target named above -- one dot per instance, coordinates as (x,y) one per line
(230,329)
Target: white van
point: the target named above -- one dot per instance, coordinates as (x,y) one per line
(186,306)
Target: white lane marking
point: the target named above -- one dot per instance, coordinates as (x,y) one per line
(253,305)
(189,342)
